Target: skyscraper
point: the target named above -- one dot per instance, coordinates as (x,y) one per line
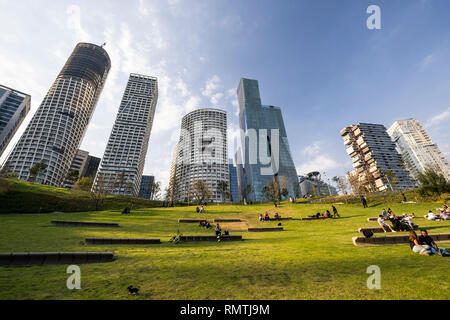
(85,164)
(145,190)
(233,182)
(58,126)
(377,163)
(417,149)
(123,162)
(202,153)
(172,187)
(14,106)
(266,152)
(78,164)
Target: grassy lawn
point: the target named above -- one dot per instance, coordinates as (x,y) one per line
(310,260)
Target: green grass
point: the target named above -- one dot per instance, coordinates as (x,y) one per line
(310,260)
(25,197)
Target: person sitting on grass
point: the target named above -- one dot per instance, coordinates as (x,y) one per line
(226,233)
(208,225)
(383,224)
(426,240)
(408,220)
(335,212)
(384,213)
(267,217)
(197,210)
(277,216)
(444,216)
(318,215)
(416,246)
(431,216)
(261,218)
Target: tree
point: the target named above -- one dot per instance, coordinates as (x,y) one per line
(433,183)
(155,189)
(122,184)
(223,189)
(72,176)
(37,170)
(248,190)
(272,191)
(283,184)
(99,191)
(391,178)
(200,191)
(85,183)
(7,172)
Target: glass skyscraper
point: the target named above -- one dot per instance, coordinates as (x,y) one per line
(58,126)
(265,147)
(14,106)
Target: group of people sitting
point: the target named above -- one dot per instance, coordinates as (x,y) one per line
(205,224)
(200,209)
(402,223)
(444,214)
(425,245)
(266,217)
(327,214)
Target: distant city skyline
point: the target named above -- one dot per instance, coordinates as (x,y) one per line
(318,61)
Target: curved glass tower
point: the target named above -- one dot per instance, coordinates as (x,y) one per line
(58,126)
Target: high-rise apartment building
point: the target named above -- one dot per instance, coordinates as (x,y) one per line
(417,149)
(378,164)
(14,106)
(202,153)
(123,162)
(78,164)
(266,152)
(58,126)
(85,164)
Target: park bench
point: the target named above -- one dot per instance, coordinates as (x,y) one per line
(83,224)
(121,241)
(400,239)
(53,258)
(203,238)
(191,220)
(227,220)
(380,230)
(274,229)
(311,219)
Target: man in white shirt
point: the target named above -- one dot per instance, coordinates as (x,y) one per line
(383,224)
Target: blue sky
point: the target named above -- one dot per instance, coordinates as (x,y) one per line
(314,59)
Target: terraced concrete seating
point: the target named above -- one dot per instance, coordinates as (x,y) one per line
(53,258)
(379,230)
(274,229)
(83,224)
(210,238)
(401,239)
(191,220)
(121,241)
(227,220)
(372,219)
(281,219)
(310,219)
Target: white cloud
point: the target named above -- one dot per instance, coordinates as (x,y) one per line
(74,23)
(438,118)
(316,159)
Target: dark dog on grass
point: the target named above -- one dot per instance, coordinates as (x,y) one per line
(133,291)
